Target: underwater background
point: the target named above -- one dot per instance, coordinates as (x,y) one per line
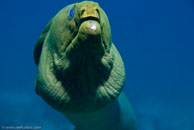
(154,37)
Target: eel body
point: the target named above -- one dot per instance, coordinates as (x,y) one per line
(80,71)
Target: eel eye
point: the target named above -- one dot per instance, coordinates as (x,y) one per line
(71,13)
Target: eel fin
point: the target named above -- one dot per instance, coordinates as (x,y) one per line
(40,42)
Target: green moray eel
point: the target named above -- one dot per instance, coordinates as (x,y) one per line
(80,72)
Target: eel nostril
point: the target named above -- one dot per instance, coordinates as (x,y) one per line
(82,10)
(97,10)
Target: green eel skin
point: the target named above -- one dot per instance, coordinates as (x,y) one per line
(80,72)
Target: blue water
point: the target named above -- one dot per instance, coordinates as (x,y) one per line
(155,39)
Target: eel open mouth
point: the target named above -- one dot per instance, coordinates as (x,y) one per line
(89,18)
